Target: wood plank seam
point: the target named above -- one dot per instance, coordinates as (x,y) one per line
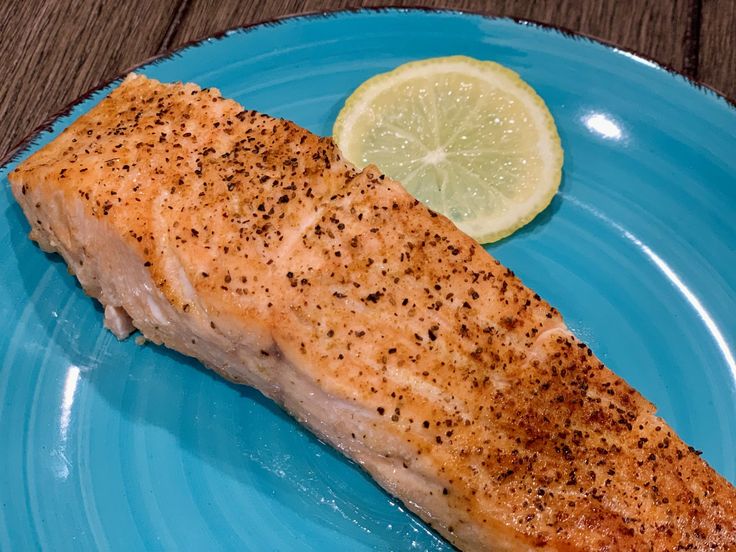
(691,61)
(178,15)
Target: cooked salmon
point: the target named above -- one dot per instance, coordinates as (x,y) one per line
(250,243)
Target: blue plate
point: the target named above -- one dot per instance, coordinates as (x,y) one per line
(108,445)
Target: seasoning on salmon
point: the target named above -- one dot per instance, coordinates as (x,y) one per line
(249,243)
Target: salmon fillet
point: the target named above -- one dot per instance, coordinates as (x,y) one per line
(249,243)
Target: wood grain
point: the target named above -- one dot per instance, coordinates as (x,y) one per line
(656,29)
(717,56)
(53,51)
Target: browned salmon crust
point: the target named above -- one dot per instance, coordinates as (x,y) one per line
(249,243)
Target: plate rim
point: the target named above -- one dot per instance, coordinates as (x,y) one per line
(27,142)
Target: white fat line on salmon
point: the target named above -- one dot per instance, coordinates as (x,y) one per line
(286,248)
(173,265)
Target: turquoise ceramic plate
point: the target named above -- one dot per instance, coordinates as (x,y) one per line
(107,445)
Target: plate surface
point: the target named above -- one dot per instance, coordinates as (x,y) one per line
(108,445)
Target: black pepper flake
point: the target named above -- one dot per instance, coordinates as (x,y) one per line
(567,453)
(381,410)
(432,335)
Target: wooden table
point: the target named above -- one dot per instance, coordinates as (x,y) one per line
(52,51)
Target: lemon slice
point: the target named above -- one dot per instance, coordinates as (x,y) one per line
(470,138)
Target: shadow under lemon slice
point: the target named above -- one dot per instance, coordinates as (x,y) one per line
(469,138)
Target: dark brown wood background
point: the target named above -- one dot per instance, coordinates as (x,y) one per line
(52,51)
